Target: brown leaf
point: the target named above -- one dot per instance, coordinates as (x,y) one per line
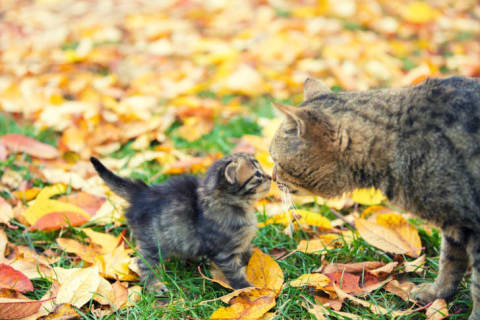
(18,308)
(14,279)
(346,281)
(438,310)
(335,303)
(385,270)
(391,233)
(401,289)
(358,267)
(20,143)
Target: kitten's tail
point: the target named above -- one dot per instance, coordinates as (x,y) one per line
(125,188)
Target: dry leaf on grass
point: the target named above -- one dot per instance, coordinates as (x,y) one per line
(245,307)
(18,308)
(358,267)
(332,303)
(391,233)
(368,196)
(319,311)
(264,272)
(6,211)
(316,280)
(14,279)
(438,310)
(20,143)
(77,285)
(300,217)
(385,270)
(401,289)
(86,253)
(63,311)
(415,265)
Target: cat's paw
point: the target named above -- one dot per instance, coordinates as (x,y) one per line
(425,293)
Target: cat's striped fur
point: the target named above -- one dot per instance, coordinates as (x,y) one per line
(420,145)
(190,217)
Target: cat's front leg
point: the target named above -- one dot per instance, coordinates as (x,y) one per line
(246,255)
(452,266)
(233,269)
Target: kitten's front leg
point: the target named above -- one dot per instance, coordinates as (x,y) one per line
(246,255)
(452,266)
(233,269)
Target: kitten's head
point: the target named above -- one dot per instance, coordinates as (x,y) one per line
(239,175)
(307,147)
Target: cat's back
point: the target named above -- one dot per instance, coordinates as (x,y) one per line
(176,196)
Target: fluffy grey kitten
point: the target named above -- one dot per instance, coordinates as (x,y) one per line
(190,217)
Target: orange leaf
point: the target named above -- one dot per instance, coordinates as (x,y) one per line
(14,279)
(438,310)
(401,289)
(20,143)
(88,202)
(346,281)
(86,253)
(63,311)
(352,267)
(245,307)
(58,220)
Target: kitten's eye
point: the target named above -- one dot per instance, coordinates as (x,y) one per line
(258,174)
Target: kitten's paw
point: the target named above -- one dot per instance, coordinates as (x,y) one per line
(158,288)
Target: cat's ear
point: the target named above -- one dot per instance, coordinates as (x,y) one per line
(313,87)
(294,116)
(313,125)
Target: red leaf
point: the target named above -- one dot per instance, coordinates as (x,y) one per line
(88,202)
(13,279)
(57,220)
(18,308)
(346,281)
(20,143)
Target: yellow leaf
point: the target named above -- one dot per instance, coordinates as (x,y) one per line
(318,245)
(368,197)
(398,237)
(86,253)
(264,272)
(245,307)
(415,265)
(438,310)
(420,12)
(316,280)
(115,264)
(44,206)
(48,192)
(302,217)
(106,241)
(77,285)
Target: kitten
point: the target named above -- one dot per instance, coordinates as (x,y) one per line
(190,217)
(420,145)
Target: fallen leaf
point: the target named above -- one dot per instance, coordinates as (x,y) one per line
(264,272)
(401,289)
(419,12)
(315,246)
(358,267)
(20,143)
(391,233)
(371,306)
(437,310)
(245,307)
(346,281)
(14,279)
(316,280)
(57,220)
(77,285)
(88,202)
(115,264)
(3,152)
(63,311)
(301,217)
(321,311)
(86,253)
(27,195)
(385,270)
(335,303)
(6,211)
(106,241)
(368,197)
(18,308)
(416,265)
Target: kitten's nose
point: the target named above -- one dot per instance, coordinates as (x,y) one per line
(274,173)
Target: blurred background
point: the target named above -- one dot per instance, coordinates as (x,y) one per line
(196,75)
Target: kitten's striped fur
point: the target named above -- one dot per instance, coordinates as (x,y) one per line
(191,217)
(420,145)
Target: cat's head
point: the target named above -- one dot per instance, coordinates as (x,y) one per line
(307,147)
(239,175)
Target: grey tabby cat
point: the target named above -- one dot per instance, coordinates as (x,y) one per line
(190,217)
(420,145)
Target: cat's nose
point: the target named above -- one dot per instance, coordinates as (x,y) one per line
(274,173)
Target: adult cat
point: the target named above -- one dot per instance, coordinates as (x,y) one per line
(420,145)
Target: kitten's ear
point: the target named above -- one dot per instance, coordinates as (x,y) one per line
(313,87)
(231,172)
(313,125)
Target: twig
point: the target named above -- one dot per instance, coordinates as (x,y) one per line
(341,217)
